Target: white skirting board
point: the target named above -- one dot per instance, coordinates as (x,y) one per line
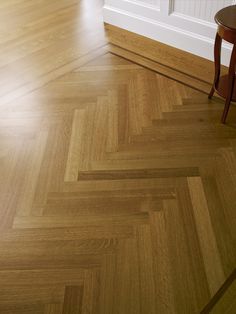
(168,34)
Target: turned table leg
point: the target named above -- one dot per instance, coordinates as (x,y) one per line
(217,55)
(231,78)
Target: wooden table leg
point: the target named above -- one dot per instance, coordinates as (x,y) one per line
(217,56)
(230,88)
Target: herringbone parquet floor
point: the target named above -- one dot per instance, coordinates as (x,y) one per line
(118,182)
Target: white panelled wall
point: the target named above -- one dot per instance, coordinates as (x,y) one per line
(203,10)
(185,24)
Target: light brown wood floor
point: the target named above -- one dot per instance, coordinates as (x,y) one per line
(118,182)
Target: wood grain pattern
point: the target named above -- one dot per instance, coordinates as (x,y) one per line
(117,190)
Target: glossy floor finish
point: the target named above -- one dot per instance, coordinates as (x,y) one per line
(118,182)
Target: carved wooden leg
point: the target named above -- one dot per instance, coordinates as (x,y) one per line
(231,78)
(211,92)
(217,55)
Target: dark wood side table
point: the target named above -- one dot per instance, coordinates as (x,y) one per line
(225,85)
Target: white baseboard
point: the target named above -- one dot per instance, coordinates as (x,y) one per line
(168,34)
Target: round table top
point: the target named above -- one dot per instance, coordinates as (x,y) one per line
(227,17)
